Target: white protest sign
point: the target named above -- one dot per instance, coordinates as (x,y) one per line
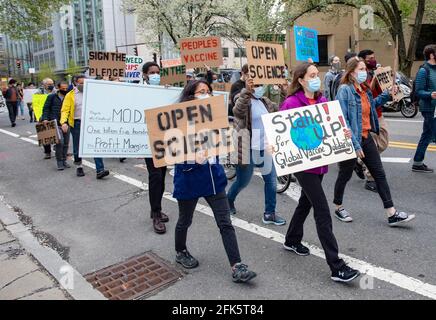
(133,68)
(113,124)
(28,94)
(308,137)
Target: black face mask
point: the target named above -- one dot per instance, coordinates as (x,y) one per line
(63,92)
(50,88)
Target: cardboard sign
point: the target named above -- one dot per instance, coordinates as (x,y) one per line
(173,76)
(113,124)
(196,52)
(47,134)
(38,101)
(28,95)
(266,62)
(308,137)
(178,132)
(384,78)
(106,64)
(271,37)
(133,68)
(171,62)
(306,44)
(222,86)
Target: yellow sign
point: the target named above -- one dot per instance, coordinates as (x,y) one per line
(38,101)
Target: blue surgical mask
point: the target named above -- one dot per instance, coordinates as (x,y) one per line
(361,76)
(259,92)
(154,79)
(314,84)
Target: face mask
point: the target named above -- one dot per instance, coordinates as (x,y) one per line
(314,84)
(336,66)
(154,79)
(203,96)
(259,92)
(80,87)
(372,65)
(361,76)
(50,88)
(63,92)
(286,74)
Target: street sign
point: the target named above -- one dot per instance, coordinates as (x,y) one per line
(31,70)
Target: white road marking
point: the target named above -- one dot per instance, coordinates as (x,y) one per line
(395,160)
(10,133)
(400,280)
(33,136)
(402,120)
(29,140)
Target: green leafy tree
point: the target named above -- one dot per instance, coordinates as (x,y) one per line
(45,71)
(391,15)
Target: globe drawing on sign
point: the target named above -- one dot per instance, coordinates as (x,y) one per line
(307,138)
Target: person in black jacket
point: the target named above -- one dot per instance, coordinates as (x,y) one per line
(52,111)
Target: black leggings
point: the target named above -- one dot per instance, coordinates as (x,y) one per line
(221,210)
(313,195)
(156,185)
(374,164)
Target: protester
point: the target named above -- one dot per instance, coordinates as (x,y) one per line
(205,179)
(20,101)
(71,120)
(382,139)
(47,88)
(11,96)
(237,88)
(52,111)
(334,85)
(335,69)
(426,91)
(252,151)
(190,75)
(305,91)
(359,108)
(31,85)
(156,176)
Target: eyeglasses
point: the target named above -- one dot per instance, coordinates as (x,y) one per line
(203,92)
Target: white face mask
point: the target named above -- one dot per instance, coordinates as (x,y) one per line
(203,96)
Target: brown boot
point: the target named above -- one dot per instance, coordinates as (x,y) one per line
(158,226)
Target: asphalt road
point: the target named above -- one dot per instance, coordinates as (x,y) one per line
(98,223)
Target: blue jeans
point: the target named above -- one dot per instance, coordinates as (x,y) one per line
(75,132)
(428,135)
(244,173)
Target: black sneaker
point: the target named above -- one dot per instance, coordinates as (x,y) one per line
(298,249)
(399,218)
(102,174)
(422,168)
(80,172)
(13,125)
(371,186)
(242,274)
(343,215)
(122,159)
(345,274)
(60,165)
(359,171)
(47,156)
(292,178)
(186,260)
(273,218)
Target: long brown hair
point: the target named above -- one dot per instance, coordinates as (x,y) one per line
(348,78)
(299,73)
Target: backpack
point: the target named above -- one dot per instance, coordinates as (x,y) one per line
(414,95)
(334,85)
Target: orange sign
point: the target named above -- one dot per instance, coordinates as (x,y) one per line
(196,52)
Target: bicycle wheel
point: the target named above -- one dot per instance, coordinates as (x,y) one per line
(283,183)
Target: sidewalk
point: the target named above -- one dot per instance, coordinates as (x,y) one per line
(21,276)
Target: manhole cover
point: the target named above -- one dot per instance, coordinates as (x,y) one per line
(133,278)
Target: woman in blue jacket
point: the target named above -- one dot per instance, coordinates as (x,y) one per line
(358,106)
(205,178)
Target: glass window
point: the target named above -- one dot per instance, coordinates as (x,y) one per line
(323,50)
(240,53)
(225,52)
(427,36)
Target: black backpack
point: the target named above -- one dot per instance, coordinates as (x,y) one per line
(334,85)
(414,95)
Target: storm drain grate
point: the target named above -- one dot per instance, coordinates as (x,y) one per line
(134,277)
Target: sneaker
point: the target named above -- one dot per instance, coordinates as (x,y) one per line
(122,159)
(66,165)
(13,125)
(241,273)
(47,156)
(298,249)
(102,174)
(79,172)
(60,165)
(232,207)
(422,168)
(273,218)
(186,260)
(359,171)
(292,178)
(371,186)
(345,274)
(343,215)
(399,218)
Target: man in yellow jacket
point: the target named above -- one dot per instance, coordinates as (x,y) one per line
(71,119)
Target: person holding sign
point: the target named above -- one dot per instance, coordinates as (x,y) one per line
(305,91)
(251,145)
(359,108)
(71,115)
(156,176)
(205,179)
